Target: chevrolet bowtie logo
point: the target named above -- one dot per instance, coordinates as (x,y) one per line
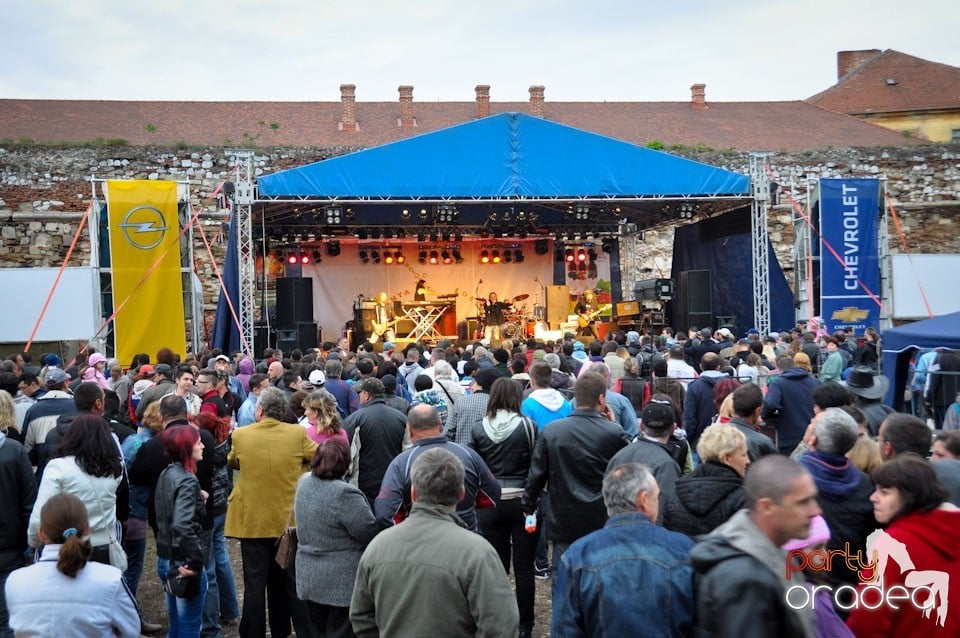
(850,314)
(143,227)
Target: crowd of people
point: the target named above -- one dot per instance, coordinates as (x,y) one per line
(707,485)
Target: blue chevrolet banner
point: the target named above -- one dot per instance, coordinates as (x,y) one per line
(849,255)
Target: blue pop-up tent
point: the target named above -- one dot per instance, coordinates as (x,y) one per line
(900,343)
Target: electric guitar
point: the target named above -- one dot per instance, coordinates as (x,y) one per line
(584,318)
(380,329)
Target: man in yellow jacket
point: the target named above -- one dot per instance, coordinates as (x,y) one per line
(271,456)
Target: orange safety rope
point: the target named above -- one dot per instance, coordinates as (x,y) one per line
(56,281)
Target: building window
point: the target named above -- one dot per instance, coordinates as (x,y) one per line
(955,136)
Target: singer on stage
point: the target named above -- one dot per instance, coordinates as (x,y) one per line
(493,317)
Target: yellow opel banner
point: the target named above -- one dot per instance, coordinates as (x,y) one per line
(143,226)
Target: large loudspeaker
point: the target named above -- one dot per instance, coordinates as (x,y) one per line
(694,304)
(261,340)
(303,336)
(558,305)
(294,301)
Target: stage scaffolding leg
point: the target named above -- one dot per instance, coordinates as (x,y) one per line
(243,159)
(760,189)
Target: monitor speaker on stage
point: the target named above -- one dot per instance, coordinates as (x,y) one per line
(294,301)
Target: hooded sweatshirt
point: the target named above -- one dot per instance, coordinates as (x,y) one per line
(930,539)
(244,372)
(736,559)
(544,406)
(844,496)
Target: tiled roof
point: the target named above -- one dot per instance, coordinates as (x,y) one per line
(893,82)
(775,126)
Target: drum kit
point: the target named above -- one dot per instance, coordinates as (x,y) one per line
(516,321)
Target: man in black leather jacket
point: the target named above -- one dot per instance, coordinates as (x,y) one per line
(572,454)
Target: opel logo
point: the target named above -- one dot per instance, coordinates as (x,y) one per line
(143,227)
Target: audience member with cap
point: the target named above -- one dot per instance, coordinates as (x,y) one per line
(653,449)
(377,434)
(42,416)
(868,390)
(163,384)
(64,591)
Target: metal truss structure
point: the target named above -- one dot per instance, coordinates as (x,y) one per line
(760,190)
(243,198)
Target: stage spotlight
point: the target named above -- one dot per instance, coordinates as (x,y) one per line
(422,257)
(421,237)
(569,256)
(304,258)
(434,257)
(293,257)
(334,215)
(405,214)
(364,257)
(518,256)
(507,256)
(457,257)
(592,254)
(362,234)
(388,257)
(434,238)
(333,248)
(400,258)
(445,255)
(423,213)
(581,255)
(375,255)
(495,257)
(607,245)
(485,257)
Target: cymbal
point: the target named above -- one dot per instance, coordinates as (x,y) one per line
(520,297)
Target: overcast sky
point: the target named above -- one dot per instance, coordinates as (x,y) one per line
(601,50)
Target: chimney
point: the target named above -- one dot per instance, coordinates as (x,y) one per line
(483,100)
(536,101)
(698,96)
(348,107)
(847,61)
(406,107)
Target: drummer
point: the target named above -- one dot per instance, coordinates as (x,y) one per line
(493,317)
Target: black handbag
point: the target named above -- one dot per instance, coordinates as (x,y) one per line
(182,586)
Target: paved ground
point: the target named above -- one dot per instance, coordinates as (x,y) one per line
(153,607)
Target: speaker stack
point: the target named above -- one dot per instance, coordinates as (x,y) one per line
(695,301)
(295,325)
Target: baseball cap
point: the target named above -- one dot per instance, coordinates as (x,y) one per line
(146,370)
(56,376)
(221,357)
(387,345)
(371,385)
(317,378)
(164,369)
(485,342)
(658,416)
(725,332)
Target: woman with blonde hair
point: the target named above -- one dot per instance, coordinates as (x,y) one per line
(8,418)
(321,417)
(801,360)
(64,593)
(713,492)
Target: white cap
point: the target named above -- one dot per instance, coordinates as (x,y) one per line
(317,378)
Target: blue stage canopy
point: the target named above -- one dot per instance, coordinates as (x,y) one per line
(510,155)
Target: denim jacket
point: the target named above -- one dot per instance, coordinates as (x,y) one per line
(631,578)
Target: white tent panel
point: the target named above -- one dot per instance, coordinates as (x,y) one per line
(934,274)
(72,311)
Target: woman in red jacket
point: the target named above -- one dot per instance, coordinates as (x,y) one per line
(917,556)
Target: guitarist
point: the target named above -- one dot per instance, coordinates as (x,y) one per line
(587,309)
(383,320)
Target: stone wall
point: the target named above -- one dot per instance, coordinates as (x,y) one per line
(45,190)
